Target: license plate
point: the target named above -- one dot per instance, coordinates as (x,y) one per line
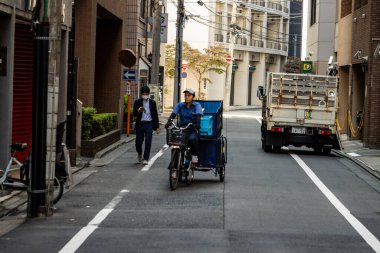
(298,130)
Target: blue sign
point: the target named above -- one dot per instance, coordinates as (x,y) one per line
(129,75)
(184,75)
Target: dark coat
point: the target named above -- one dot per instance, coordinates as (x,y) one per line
(153,111)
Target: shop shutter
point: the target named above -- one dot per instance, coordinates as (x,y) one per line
(22,88)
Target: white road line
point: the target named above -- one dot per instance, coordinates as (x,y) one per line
(86,231)
(355,223)
(259,119)
(154,158)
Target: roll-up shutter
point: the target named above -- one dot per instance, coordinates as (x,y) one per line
(22,87)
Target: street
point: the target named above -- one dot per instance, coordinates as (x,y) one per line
(291,201)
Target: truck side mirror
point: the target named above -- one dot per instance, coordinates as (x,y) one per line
(260,92)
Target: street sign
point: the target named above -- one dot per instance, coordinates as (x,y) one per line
(184,67)
(307,67)
(129,75)
(127,57)
(184,75)
(164,28)
(228,58)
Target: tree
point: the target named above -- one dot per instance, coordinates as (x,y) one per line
(293,65)
(200,63)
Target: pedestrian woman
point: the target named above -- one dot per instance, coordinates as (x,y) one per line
(145,109)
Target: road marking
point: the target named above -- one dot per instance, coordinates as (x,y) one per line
(355,223)
(154,158)
(80,237)
(353,154)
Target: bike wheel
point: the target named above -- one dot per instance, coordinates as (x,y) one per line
(189,176)
(58,190)
(174,169)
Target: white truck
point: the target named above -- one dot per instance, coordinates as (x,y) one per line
(299,110)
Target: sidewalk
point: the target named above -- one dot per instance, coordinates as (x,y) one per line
(367,158)
(14,200)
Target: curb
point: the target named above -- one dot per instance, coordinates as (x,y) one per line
(361,164)
(12,202)
(112,147)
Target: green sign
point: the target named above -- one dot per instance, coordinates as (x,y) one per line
(307,67)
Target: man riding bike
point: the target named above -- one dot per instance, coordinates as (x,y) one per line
(189,112)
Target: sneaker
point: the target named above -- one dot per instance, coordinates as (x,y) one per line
(145,162)
(140,158)
(194,159)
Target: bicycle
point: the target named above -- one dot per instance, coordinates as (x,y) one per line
(10,182)
(180,163)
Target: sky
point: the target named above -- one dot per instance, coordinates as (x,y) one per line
(197,34)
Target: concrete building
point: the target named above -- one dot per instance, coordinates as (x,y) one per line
(16,72)
(103,28)
(263,48)
(295,29)
(357,38)
(321,33)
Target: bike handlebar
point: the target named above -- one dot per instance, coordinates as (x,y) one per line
(181,128)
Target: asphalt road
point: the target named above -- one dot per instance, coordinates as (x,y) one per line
(292,201)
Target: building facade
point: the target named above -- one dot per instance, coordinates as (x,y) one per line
(321,33)
(262,46)
(295,29)
(357,47)
(17,69)
(103,28)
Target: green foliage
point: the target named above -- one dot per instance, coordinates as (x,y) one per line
(103,123)
(87,121)
(293,65)
(212,59)
(94,124)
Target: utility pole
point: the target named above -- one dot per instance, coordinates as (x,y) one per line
(178,52)
(233,32)
(53,96)
(37,190)
(157,5)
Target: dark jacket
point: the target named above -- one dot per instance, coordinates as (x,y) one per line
(153,111)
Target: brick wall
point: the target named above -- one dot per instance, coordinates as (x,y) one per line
(372,117)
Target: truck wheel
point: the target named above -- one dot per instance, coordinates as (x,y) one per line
(277,149)
(327,151)
(267,148)
(317,149)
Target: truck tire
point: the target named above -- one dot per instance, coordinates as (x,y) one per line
(277,149)
(317,149)
(327,151)
(267,148)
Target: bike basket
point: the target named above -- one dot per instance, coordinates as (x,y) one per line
(177,137)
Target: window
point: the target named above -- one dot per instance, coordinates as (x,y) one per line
(143,8)
(313,12)
(346,8)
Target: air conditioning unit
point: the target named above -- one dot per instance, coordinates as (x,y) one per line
(269,59)
(254,57)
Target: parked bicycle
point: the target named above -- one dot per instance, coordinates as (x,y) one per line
(17,174)
(180,164)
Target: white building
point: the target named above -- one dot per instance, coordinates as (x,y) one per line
(321,33)
(263,48)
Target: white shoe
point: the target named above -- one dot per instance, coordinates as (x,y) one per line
(145,162)
(140,158)
(194,159)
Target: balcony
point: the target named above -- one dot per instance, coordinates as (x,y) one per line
(259,2)
(242,41)
(275,6)
(257,43)
(218,38)
(273,45)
